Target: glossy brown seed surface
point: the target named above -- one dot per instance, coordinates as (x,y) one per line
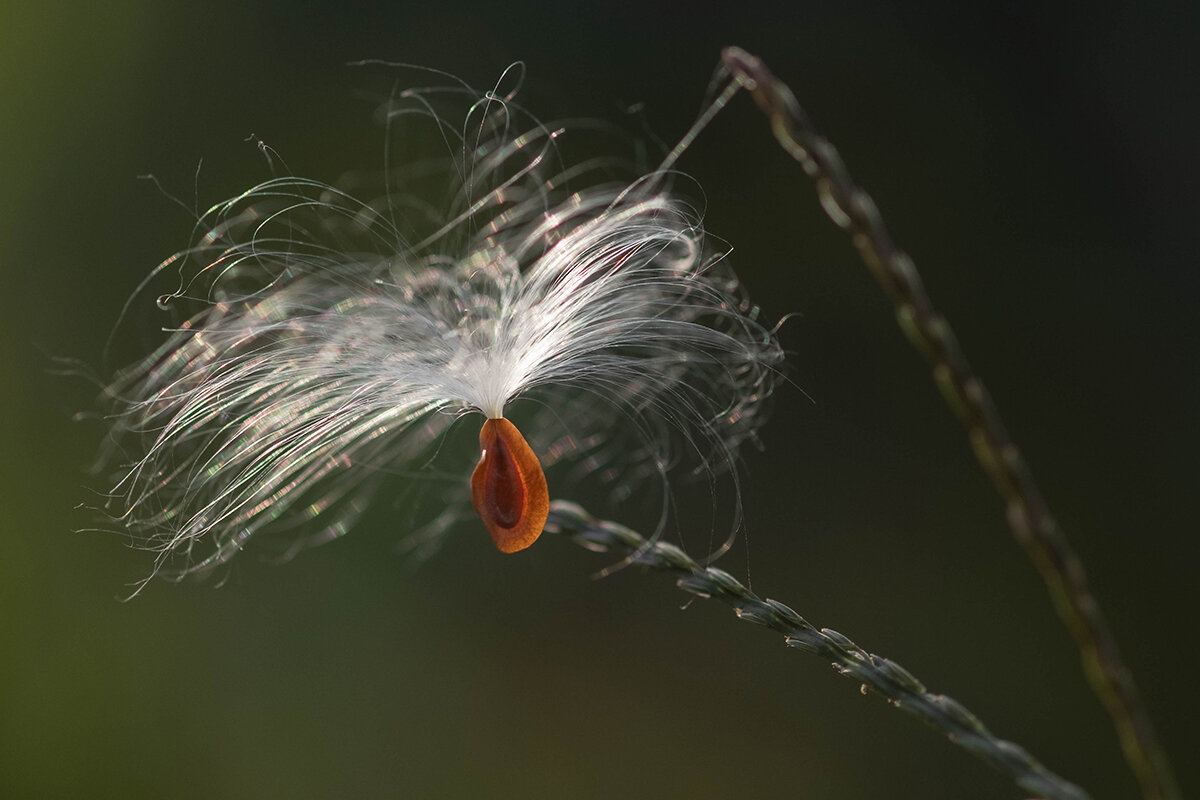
(508,487)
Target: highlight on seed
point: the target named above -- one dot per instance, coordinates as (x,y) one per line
(327,337)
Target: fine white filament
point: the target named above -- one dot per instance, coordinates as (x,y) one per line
(326,343)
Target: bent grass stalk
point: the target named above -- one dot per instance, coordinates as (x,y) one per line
(1032,524)
(874,672)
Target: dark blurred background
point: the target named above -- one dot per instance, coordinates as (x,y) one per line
(1040,165)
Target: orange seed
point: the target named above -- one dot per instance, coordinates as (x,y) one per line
(508,487)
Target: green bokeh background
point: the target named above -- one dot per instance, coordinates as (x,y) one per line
(1040,167)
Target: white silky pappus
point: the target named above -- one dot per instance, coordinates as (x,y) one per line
(326,344)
